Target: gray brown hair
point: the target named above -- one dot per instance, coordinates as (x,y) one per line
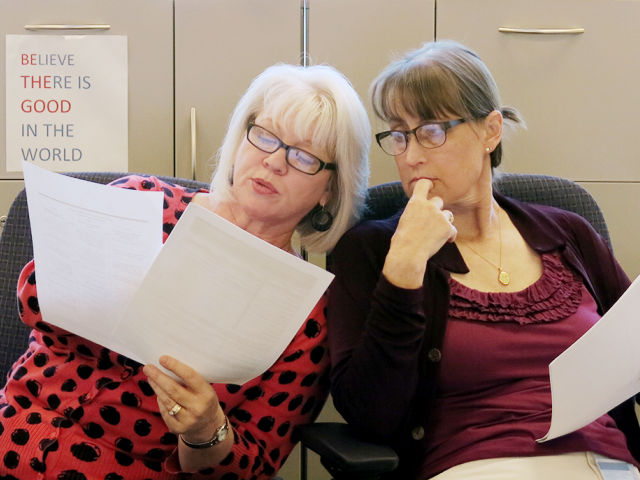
(438,80)
(319,104)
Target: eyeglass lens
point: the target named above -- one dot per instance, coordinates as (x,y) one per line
(431,135)
(268,142)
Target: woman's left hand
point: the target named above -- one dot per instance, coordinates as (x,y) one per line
(200,415)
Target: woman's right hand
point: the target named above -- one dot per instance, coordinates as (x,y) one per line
(423,229)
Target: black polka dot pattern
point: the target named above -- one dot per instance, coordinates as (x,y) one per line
(278,398)
(65,383)
(293,357)
(11,459)
(23,401)
(20,436)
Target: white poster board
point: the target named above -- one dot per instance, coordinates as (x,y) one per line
(67,99)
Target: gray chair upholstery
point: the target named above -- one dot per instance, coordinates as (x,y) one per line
(342,453)
(386,199)
(15,251)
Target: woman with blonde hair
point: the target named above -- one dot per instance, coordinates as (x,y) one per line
(295,158)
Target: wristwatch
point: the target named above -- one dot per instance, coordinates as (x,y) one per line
(219,435)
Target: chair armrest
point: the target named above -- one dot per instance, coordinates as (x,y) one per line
(341,451)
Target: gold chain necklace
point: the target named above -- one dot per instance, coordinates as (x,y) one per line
(503,277)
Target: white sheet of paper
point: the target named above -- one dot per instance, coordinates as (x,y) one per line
(600,370)
(92,247)
(221,300)
(215,297)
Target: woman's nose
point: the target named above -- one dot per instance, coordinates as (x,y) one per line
(415,153)
(276,161)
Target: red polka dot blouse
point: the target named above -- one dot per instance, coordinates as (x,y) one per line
(74,410)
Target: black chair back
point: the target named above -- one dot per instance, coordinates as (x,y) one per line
(385,200)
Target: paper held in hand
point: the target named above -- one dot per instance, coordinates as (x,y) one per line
(600,370)
(214,296)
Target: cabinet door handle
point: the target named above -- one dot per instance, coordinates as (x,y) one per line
(542,31)
(193,143)
(67,27)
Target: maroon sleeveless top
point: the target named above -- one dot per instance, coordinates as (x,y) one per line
(493,392)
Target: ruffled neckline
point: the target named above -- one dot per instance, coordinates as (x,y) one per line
(556,295)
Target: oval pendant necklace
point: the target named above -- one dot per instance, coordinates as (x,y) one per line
(503,277)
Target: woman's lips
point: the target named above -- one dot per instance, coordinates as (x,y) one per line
(263,187)
(415,179)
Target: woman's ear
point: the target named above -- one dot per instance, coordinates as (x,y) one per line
(493,129)
(324,198)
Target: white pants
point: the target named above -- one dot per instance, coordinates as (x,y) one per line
(568,466)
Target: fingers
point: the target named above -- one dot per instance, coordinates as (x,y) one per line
(166,383)
(192,379)
(199,413)
(453,232)
(196,395)
(165,401)
(453,235)
(182,420)
(422,188)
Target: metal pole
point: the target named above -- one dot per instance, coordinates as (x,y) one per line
(304,33)
(304,61)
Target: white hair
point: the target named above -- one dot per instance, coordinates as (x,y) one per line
(317,104)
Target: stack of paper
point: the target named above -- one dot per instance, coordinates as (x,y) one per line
(214,296)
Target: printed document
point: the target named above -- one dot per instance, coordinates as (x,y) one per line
(600,370)
(214,296)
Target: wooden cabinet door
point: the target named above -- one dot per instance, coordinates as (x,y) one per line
(148,24)
(578,93)
(221,46)
(360,38)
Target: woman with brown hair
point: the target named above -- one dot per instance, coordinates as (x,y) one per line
(443,319)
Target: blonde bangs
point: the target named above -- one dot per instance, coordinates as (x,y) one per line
(309,115)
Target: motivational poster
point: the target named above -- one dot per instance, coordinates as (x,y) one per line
(67,98)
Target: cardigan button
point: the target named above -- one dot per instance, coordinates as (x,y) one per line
(417,433)
(434,355)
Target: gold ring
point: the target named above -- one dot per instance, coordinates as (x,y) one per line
(450,217)
(176,408)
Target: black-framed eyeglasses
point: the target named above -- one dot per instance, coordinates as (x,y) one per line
(429,135)
(303,161)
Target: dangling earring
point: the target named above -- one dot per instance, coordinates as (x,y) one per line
(231,175)
(321,219)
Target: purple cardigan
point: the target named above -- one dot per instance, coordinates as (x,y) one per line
(386,342)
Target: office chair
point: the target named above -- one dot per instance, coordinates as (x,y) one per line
(341,452)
